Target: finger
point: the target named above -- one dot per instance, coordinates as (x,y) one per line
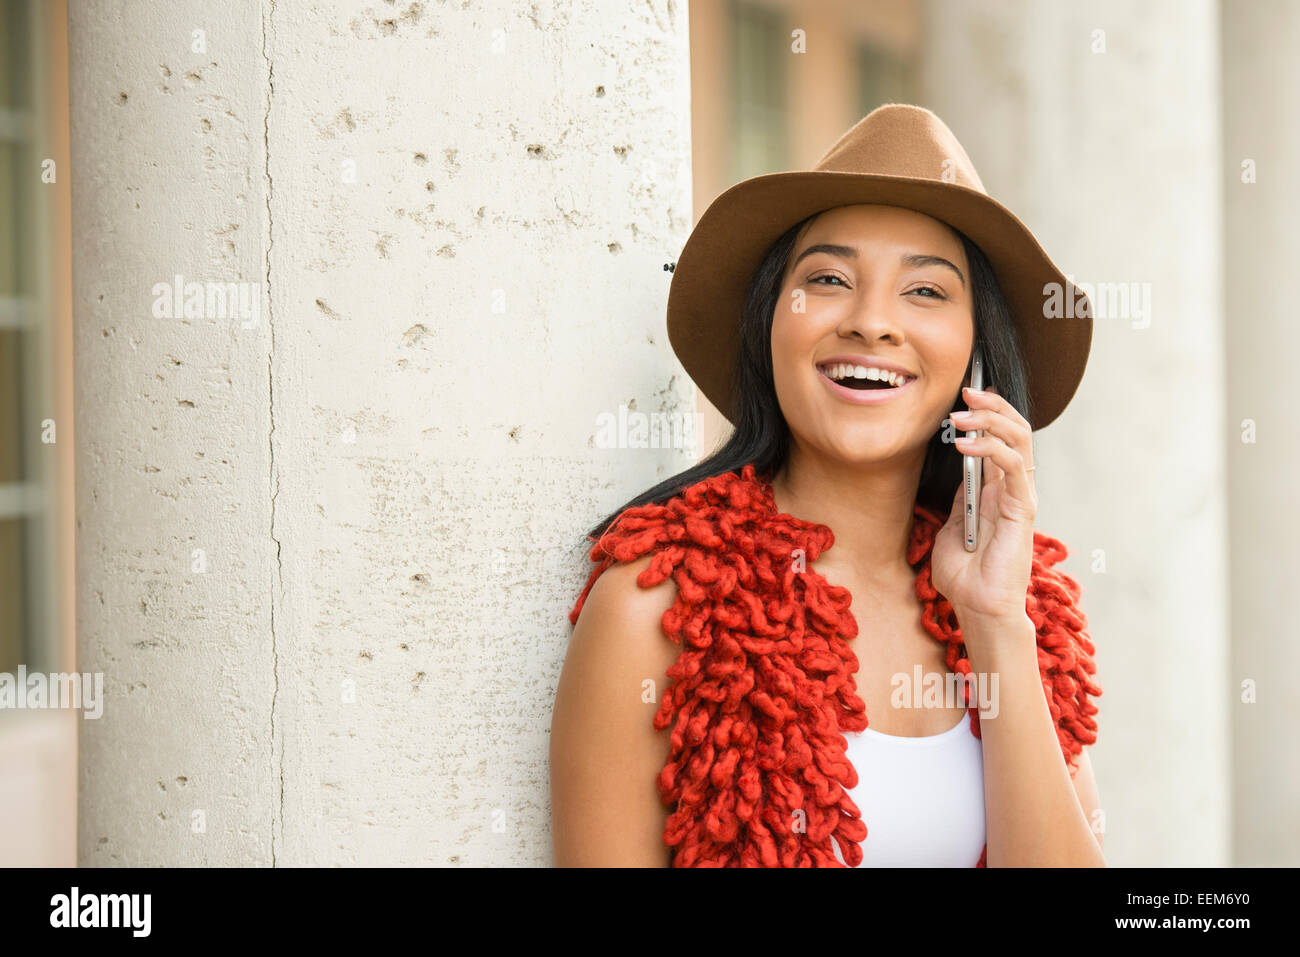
(988,462)
(1024,443)
(992,471)
(1017,481)
(989,399)
(991,422)
(988,502)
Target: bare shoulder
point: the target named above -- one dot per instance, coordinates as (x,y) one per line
(605,753)
(617,599)
(619,635)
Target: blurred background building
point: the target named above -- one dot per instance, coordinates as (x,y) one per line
(37,748)
(1143,143)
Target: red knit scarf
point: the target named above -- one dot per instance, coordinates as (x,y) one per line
(763,689)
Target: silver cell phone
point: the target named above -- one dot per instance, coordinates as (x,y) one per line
(973,465)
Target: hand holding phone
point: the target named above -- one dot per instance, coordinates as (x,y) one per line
(973,465)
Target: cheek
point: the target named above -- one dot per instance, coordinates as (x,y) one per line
(788,349)
(783,345)
(946,358)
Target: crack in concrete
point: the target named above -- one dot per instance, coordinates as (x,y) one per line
(268,14)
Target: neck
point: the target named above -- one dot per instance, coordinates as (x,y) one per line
(868,507)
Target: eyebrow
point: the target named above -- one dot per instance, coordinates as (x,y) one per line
(851,252)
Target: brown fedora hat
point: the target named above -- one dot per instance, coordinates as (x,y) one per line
(896,155)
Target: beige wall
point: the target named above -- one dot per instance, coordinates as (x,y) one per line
(1261,342)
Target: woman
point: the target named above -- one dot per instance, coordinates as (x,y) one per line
(845,376)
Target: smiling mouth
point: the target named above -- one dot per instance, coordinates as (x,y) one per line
(864,379)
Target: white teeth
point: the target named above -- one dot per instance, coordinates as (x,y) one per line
(844,371)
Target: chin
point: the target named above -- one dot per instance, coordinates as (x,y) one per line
(867,452)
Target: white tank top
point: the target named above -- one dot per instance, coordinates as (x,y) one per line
(922,799)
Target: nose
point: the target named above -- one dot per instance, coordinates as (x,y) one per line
(872,318)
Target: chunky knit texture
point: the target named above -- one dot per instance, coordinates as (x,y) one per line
(763,691)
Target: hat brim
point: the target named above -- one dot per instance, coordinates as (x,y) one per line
(713,273)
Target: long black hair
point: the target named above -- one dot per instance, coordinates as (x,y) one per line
(761,434)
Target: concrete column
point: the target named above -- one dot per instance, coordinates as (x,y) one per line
(174,550)
(457,221)
(1261,155)
(1098,125)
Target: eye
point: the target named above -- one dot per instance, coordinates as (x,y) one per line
(936,293)
(826,276)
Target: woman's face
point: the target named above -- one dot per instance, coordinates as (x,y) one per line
(865,283)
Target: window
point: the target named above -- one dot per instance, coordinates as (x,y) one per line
(760,48)
(883,77)
(27,627)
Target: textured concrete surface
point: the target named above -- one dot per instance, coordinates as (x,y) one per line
(458,217)
(172,426)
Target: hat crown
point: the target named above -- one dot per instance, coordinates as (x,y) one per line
(899,139)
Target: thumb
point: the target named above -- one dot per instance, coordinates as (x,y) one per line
(955,513)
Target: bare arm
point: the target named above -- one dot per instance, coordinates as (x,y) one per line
(1036,815)
(1085,786)
(605,752)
